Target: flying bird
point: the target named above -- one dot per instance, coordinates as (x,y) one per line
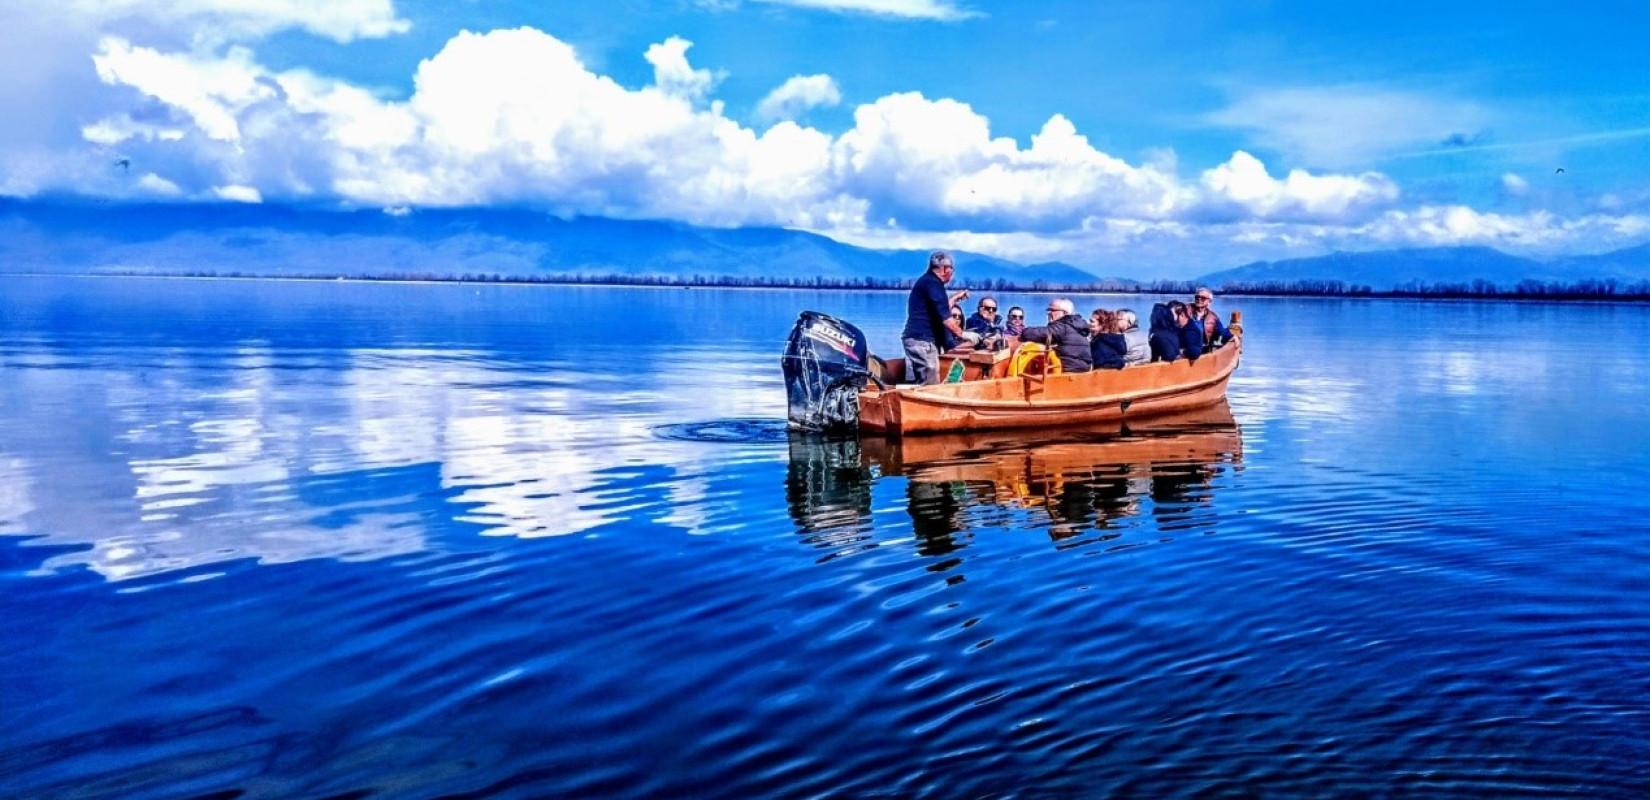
(1556,171)
(125,164)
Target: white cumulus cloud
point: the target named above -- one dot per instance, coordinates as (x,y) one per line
(210,92)
(516,117)
(1243,180)
(1534,232)
(156,185)
(928,162)
(238,194)
(910,9)
(1457,224)
(340,20)
(1515,184)
(798,95)
(672,73)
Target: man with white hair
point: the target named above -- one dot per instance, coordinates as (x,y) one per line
(1140,350)
(1067,334)
(1203,313)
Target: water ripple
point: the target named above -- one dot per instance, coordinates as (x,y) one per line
(407,545)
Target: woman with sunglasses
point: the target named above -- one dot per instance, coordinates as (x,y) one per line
(1016,321)
(956,340)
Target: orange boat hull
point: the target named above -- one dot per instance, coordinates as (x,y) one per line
(1100,396)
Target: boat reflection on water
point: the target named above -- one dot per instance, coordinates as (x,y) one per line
(828,489)
(1084,485)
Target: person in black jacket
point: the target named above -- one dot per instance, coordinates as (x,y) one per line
(1068,335)
(1106,342)
(986,324)
(1165,334)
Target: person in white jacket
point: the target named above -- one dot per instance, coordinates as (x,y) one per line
(1140,348)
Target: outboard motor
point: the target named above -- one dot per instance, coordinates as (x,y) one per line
(826,365)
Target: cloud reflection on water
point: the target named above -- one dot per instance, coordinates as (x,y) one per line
(353,455)
(16,490)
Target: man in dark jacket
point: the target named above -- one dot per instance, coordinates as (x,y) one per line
(928,319)
(985,322)
(1067,333)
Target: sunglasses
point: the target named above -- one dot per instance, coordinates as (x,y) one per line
(988,308)
(1016,316)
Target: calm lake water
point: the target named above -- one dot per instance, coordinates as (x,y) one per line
(336,540)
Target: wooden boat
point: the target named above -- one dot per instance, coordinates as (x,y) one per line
(833,383)
(988,398)
(1206,435)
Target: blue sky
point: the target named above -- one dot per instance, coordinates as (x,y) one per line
(1139,138)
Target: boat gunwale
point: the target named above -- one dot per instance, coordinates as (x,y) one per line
(923,395)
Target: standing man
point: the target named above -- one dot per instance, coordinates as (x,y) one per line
(928,317)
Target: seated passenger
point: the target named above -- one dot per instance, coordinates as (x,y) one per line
(1140,350)
(1067,333)
(1202,311)
(1106,343)
(956,340)
(987,324)
(1165,334)
(1191,331)
(1016,321)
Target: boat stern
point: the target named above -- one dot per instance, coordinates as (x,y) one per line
(879,410)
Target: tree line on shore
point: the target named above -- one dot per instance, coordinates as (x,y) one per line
(1586,289)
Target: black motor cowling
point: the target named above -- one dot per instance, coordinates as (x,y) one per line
(826,365)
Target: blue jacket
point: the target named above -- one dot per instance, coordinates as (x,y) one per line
(983,326)
(1164,338)
(1109,350)
(1215,333)
(926,310)
(1191,340)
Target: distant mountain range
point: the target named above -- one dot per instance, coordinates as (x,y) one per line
(267,240)
(83,237)
(1384,270)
